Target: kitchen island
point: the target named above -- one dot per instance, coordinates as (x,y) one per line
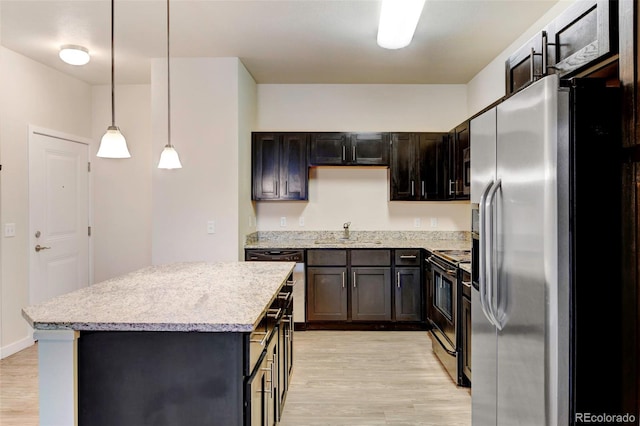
(171,344)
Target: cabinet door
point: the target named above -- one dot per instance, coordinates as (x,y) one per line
(429,164)
(458,164)
(272,401)
(525,65)
(408,294)
(265,155)
(403,167)
(293,166)
(369,149)
(256,391)
(328,149)
(326,294)
(584,33)
(371,294)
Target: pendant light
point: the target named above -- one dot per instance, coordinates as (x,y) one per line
(169,158)
(113,144)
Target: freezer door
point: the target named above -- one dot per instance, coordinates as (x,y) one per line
(483,134)
(525,249)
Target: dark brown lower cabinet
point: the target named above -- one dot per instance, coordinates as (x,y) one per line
(408,294)
(326,293)
(370,294)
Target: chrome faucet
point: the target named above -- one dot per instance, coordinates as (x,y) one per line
(346,229)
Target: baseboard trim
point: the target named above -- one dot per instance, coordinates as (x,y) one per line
(15,347)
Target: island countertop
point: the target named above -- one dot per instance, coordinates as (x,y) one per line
(190,296)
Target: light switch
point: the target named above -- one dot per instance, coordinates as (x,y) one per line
(283,221)
(211,227)
(301,221)
(417,222)
(434,222)
(9,229)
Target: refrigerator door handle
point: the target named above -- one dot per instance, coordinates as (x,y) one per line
(494,284)
(482,275)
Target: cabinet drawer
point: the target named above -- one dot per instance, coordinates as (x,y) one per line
(327,257)
(370,257)
(408,257)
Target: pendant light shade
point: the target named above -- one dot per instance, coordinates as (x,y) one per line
(169,158)
(113,143)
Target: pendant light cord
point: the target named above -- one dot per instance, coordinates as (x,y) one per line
(113,96)
(168,84)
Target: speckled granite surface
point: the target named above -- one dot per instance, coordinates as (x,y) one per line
(436,240)
(207,297)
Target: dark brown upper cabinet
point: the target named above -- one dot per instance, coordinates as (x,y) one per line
(415,168)
(279,166)
(527,64)
(457,171)
(583,35)
(586,33)
(349,149)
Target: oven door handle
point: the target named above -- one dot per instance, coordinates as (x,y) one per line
(482,263)
(448,272)
(433,330)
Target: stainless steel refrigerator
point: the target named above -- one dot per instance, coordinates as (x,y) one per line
(529,333)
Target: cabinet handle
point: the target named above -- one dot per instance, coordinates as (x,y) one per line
(291,282)
(451,183)
(531,66)
(264,339)
(422,183)
(343,279)
(408,256)
(276,188)
(344,152)
(412,187)
(286,187)
(354,279)
(274,313)
(545,45)
(398,280)
(353,153)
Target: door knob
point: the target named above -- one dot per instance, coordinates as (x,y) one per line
(39,247)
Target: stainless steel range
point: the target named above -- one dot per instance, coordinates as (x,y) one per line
(443,309)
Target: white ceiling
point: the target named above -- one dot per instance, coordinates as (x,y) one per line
(279,41)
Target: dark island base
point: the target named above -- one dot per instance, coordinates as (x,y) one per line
(362,326)
(160,378)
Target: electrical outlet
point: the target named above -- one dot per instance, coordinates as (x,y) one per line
(417,222)
(211,227)
(283,221)
(434,222)
(301,221)
(9,229)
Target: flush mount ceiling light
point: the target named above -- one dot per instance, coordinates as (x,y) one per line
(398,21)
(169,158)
(113,143)
(74,55)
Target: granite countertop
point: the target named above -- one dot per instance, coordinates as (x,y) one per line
(360,239)
(198,296)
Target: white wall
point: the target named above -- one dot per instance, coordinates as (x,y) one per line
(37,95)
(121,231)
(247,115)
(360,194)
(205,132)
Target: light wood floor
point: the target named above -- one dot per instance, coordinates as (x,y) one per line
(340,378)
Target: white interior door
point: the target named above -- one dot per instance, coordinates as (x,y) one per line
(58,214)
